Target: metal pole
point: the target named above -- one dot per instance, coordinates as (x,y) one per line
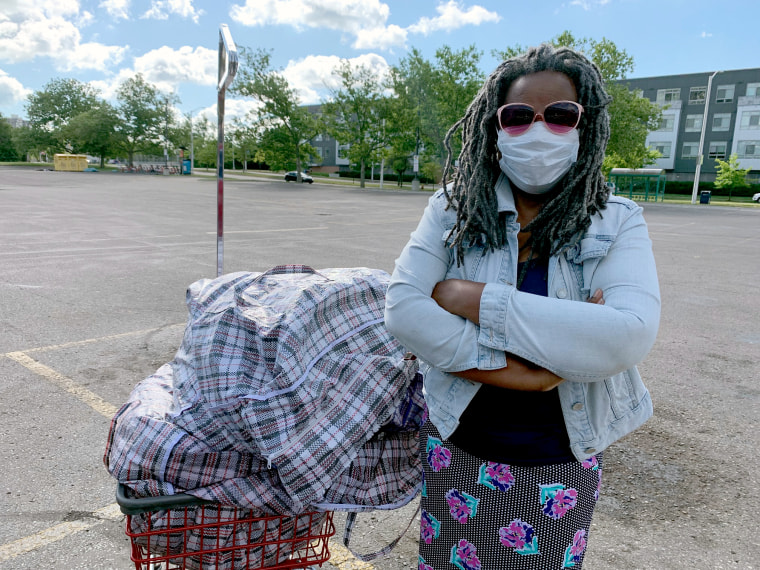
(700,158)
(192,147)
(228,64)
(382,159)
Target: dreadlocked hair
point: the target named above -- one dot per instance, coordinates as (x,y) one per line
(562,220)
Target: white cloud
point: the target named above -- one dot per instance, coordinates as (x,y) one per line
(11,90)
(705,35)
(117,9)
(162,9)
(453,15)
(314,75)
(169,67)
(51,29)
(364,20)
(588,4)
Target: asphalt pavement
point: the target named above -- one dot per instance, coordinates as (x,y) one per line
(93,273)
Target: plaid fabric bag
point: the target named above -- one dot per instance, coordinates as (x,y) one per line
(286,395)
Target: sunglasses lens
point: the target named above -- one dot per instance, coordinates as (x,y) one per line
(562,117)
(516,119)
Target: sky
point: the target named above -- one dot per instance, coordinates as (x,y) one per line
(173,43)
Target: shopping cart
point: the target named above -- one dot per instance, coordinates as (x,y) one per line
(184,532)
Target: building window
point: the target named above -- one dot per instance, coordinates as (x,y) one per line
(717,150)
(318,138)
(753,89)
(665,96)
(721,121)
(693,123)
(749,149)
(725,94)
(319,151)
(663,147)
(689,150)
(327,152)
(343,152)
(697,95)
(750,120)
(666,123)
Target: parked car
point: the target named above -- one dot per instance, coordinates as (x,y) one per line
(756,198)
(294,177)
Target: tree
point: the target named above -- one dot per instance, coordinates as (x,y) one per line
(51,109)
(283,125)
(730,174)
(7,147)
(355,114)
(631,116)
(94,131)
(141,112)
(429,97)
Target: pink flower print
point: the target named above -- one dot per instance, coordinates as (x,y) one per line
(560,502)
(421,565)
(461,505)
(591,463)
(464,556)
(579,543)
(429,527)
(517,535)
(438,457)
(574,552)
(500,476)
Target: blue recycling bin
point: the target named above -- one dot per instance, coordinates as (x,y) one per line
(704,197)
(186,167)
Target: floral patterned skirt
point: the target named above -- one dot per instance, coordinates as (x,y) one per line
(477,514)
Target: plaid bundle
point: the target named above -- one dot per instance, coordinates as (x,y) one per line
(286,395)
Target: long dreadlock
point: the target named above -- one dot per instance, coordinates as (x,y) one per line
(562,220)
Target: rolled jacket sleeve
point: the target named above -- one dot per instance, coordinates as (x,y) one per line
(445,341)
(577,340)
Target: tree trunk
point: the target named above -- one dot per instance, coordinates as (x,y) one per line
(361,174)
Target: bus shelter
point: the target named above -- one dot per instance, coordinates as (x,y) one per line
(641,184)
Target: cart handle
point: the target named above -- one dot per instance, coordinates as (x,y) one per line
(136,506)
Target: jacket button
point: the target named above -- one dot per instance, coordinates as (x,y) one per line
(577,407)
(562,293)
(590,450)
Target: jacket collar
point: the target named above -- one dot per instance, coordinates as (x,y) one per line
(505,199)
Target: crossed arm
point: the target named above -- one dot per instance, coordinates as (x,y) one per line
(462,298)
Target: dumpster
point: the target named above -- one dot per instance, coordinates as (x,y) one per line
(186,167)
(70,162)
(704,197)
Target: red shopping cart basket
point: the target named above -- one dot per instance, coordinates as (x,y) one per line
(184,532)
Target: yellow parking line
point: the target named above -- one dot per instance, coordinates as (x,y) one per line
(342,558)
(57,532)
(78,391)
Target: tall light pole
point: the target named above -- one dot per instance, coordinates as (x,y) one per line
(700,158)
(192,146)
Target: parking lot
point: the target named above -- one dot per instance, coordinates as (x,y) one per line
(93,272)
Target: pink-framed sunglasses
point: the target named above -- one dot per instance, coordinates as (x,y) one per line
(560,117)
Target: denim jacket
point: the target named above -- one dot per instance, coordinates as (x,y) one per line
(595,348)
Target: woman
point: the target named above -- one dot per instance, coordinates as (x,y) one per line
(525,383)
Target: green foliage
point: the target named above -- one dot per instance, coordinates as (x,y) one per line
(94,131)
(8,151)
(355,114)
(144,116)
(280,111)
(50,110)
(730,173)
(429,97)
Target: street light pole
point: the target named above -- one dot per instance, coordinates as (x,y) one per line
(700,158)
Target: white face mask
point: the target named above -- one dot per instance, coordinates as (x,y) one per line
(537,159)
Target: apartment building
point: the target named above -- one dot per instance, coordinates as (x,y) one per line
(732,122)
